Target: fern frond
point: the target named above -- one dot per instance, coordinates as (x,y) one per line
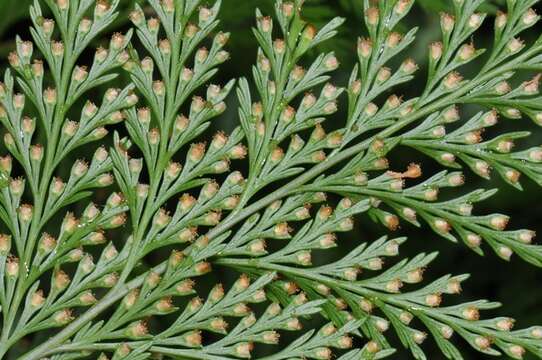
(245,201)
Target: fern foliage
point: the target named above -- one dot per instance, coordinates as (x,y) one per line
(267,200)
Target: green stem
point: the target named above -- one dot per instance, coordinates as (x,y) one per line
(163,154)
(48,170)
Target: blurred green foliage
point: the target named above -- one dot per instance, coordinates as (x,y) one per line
(12,12)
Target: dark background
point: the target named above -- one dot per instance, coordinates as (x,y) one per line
(516,284)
